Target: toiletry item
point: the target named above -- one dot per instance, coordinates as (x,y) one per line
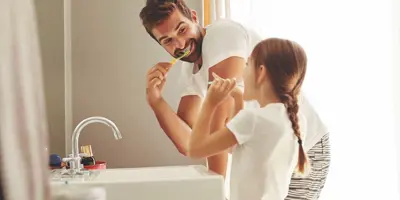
(55,160)
(87,150)
(65,164)
(88,158)
(88,161)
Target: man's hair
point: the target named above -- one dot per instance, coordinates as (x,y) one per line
(156,11)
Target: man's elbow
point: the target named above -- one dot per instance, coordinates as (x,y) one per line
(183,151)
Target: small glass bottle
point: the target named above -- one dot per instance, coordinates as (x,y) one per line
(88,159)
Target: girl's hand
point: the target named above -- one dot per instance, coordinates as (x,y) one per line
(237,94)
(219,90)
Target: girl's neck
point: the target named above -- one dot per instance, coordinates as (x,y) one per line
(266,98)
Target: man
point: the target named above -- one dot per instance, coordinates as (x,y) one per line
(179,32)
(222,48)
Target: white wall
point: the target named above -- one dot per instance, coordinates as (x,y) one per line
(51,37)
(111,53)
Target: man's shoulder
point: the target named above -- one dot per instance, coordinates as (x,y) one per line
(226,31)
(224,22)
(226,38)
(224,27)
(222,35)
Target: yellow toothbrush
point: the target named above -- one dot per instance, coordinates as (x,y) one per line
(176,59)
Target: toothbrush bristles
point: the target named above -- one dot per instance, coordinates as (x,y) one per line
(186,52)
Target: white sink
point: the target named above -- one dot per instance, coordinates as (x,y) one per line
(150,183)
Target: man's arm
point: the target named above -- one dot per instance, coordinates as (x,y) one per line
(188,109)
(178,128)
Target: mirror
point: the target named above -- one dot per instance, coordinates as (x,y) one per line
(95,56)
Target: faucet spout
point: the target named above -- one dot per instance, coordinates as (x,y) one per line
(78,130)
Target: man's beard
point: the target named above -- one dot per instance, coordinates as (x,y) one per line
(196,54)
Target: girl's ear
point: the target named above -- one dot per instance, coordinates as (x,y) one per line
(261,74)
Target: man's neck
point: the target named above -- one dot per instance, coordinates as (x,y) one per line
(199,61)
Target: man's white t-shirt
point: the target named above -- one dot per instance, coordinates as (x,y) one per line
(224,39)
(266,155)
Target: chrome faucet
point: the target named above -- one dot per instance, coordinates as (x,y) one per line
(74,159)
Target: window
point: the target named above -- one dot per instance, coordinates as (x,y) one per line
(349,81)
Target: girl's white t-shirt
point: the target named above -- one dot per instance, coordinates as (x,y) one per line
(266,154)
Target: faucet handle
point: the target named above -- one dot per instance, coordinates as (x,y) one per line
(69,158)
(74,162)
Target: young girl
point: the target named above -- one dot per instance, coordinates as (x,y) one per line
(269,138)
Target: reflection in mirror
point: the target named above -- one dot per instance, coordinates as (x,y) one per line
(95,58)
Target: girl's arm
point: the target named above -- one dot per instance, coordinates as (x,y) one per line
(202,143)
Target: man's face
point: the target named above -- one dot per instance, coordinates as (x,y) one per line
(178,33)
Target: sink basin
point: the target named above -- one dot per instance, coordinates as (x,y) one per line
(192,182)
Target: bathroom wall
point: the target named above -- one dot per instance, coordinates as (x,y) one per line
(111,53)
(51,37)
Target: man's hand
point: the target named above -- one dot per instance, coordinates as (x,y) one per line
(156,78)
